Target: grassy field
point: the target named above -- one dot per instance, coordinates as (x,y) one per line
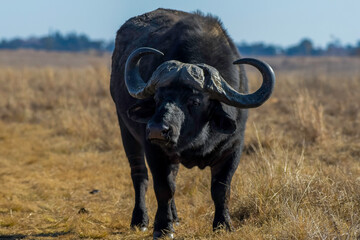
(299,176)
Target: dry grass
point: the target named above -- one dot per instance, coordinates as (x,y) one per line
(299,177)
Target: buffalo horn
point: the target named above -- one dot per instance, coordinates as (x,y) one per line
(222,91)
(264,92)
(136,86)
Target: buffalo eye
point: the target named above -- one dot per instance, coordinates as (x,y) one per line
(194,102)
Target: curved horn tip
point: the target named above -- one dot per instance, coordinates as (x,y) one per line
(133,81)
(262,66)
(144,50)
(254,62)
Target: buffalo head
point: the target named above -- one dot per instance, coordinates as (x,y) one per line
(181,102)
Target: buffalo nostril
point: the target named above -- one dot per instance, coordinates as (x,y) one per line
(158,131)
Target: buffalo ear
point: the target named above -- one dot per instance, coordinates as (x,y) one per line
(142,111)
(221,121)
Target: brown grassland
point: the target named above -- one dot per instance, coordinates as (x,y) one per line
(299,176)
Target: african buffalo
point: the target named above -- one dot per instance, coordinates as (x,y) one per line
(181,97)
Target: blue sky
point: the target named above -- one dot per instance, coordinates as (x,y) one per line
(281,22)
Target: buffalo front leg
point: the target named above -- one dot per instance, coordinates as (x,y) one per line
(174,171)
(221,176)
(163,173)
(139,176)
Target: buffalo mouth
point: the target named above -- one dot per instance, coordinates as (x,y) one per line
(168,144)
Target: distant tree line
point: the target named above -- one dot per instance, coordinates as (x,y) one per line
(80,42)
(304,48)
(58,42)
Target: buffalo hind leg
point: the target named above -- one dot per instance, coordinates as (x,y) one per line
(139,176)
(140,181)
(221,176)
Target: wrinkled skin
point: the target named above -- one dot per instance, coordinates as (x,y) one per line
(203,132)
(188,115)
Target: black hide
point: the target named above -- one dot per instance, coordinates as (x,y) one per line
(178,124)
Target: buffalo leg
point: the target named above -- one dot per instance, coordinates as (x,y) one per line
(175,169)
(164,187)
(221,176)
(139,176)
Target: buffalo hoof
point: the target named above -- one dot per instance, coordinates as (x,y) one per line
(139,228)
(223,226)
(158,235)
(139,219)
